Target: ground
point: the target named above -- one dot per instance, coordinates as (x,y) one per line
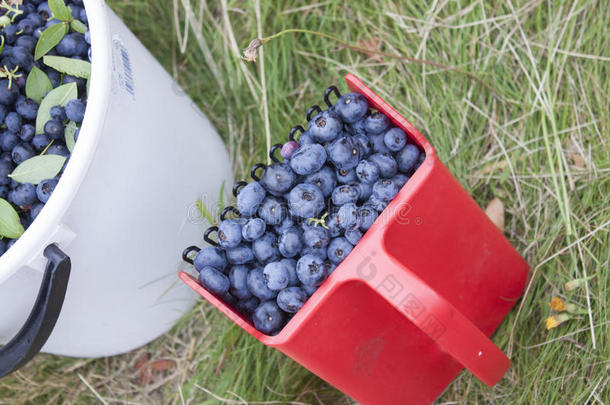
(513,95)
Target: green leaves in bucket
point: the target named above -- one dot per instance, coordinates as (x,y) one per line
(50,38)
(10,227)
(74,67)
(38,168)
(69,132)
(60,10)
(58,96)
(37,84)
(78,26)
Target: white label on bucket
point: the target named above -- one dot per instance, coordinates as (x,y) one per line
(121,68)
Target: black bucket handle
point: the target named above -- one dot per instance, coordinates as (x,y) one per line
(238,186)
(226,210)
(327,92)
(186,253)
(206,235)
(293,130)
(272,151)
(255,168)
(43,317)
(311,110)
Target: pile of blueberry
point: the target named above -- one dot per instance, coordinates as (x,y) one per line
(27,76)
(300,217)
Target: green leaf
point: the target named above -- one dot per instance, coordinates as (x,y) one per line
(37,84)
(38,168)
(69,135)
(49,39)
(74,67)
(60,10)
(10,227)
(58,96)
(78,26)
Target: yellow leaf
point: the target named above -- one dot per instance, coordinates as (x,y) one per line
(495,212)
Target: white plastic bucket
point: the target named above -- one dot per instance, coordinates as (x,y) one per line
(143,156)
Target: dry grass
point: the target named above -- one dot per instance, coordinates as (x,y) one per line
(531,129)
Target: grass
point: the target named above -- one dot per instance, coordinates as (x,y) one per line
(513,95)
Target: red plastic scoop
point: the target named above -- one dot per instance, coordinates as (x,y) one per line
(416,299)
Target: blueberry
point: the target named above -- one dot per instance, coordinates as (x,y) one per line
(377,143)
(344,153)
(420,160)
(13,122)
(88,37)
(276,276)
(75,110)
(305,201)
(377,203)
(240,254)
(348,217)
(365,146)
(368,215)
(367,171)
(23,195)
(325,126)
(26,132)
(311,270)
(238,277)
(72,45)
(352,107)
(27,41)
(6,168)
(386,163)
(214,281)
(289,242)
(291,266)
(210,256)
(257,285)
(309,289)
(10,243)
(338,249)
(288,149)
(250,198)
(330,267)
(316,237)
(318,252)
(272,210)
(3,112)
(44,10)
(395,139)
(8,141)
(268,318)
(353,236)
(345,194)
(306,139)
(2,246)
(346,176)
(54,129)
(364,190)
(285,224)
(278,179)
(400,180)
(265,248)
(253,229)
(44,189)
(35,210)
(308,159)
(229,233)
(334,227)
(21,57)
(291,299)
(357,128)
(58,149)
(385,189)
(376,123)
(39,142)
(58,112)
(407,158)
(6,157)
(325,179)
(248,306)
